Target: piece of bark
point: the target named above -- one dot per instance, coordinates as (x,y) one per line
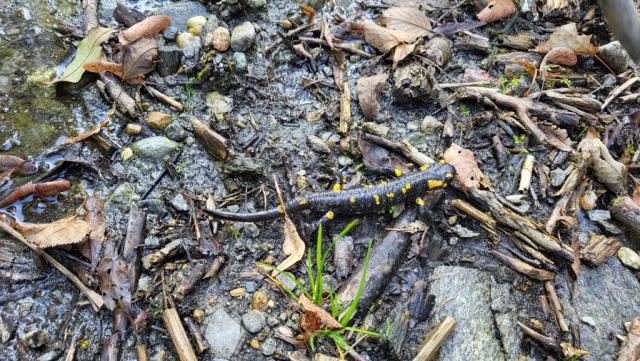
(169,60)
(127,16)
(201,343)
(599,249)
(345,109)
(213,142)
(386,256)
(90,8)
(133,240)
(196,273)
(554,302)
(436,337)
(123,100)
(213,270)
(627,212)
(472,41)
(159,256)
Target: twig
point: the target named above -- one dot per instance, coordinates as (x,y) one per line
(617,91)
(290,33)
(462,85)
(525,174)
(90,8)
(431,345)
(345,109)
(524,268)
(165,98)
(336,45)
(545,340)
(123,100)
(95,299)
(178,334)
(555,305)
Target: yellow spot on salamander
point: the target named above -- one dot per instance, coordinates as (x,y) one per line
(352,199)
(408,186)
(442,161)
(337,187)
(330,215)
(281,209)
(377,199)
(397,172)
(302,201)
(424,167)
(433,184)
(419,202)
(390,195)
(448,176)
(404,190)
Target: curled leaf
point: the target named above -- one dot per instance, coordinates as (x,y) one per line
(88,50)
(382,38)
(468,174)
(379,160)
(138,58)
(102,66)
(497,10)
(607,170)
(148,27)
(293,245)
(368,90)
(557,137)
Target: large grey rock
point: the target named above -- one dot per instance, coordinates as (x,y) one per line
(180,12)
(243,36)
(607,296)
(504,309)
(223,334)
(465,295)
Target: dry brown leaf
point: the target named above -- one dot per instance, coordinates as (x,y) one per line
(10,164)
(115,285)
(94,217)
(557,137)
(315,318)
(148,27)
(630,349)
(607,170)
(61,232)
(567,36)
(293,245)
(368,90)
(82,136)
(325,31)
(468,174)
(300,49)
(401,52)
(101,65)
(561,56)
(309,12)
(475,75)
(40,189)
(138,58)
(380,160)
(406,20)
(497,10)
(382,38)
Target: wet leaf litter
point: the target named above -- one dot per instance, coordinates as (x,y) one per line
(201,109)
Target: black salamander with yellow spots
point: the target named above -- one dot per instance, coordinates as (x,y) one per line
(360,200)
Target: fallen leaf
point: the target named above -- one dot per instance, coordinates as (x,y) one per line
(368,90)
(293,245)
(138,58)
(82,136)
(148,27)
(557,137)
(401,52)
(89,49)
(102,66)
(497,10)
(61,232)
(449,29)
(407,20)
(561,56)
(607,170)
(10,164)
(630,349)
(322,317)
(567,36)
(309,12)
(95,218)
(382,38)
(379,160)
(325,31)
(468,174)
(477,75)
(115,286)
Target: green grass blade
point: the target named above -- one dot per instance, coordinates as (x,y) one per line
(354,304)
(343,233)
(312,281)
(317,293)
(289,276)
(363,331)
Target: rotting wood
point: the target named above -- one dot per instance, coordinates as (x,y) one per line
(213,270)
(90,8)
(545,340)
(598,250)
(123,100)
(345,109)
(201,343)
(165,98)
(617,91)
(159,256)
(214,143)
(96,300)
(431,345)
(197,271)
(627,212)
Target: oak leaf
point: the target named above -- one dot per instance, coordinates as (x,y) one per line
(468,174)
(64,231)
(138,58)
(407,20)
(567,36)
(497,10)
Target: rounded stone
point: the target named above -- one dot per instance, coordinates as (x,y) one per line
(629,258)
(221,39)
(430,125)
(158,120)
(134,129)
(195,24)
(243,36)
(259,300)
(254,321)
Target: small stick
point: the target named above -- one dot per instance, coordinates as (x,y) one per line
(214,268)
(555,305)
(141,352)
(461,85)
(436,337)
(414,155)
(178,334)
(617,91)
(336,45)
(524,268)
(499,151)
(525,174)
(197,272)
(201,343)
(345,109)
(123,100)
(290,33)
(165,98)
(96,300)
(630,98)
(545,340)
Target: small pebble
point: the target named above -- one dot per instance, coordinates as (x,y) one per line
(198,315)
(134,129)
(259,301)
(158,120)
(430,125)
(221,39)
(599,215)
(250,286)
(629,258)
(195,24)
(269,347)
(375,129)
(126,153)
(238,292)
(254,321)
(254,344)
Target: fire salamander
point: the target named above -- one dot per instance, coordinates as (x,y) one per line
(360,200)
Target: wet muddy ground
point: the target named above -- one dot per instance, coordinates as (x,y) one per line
(280,118)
